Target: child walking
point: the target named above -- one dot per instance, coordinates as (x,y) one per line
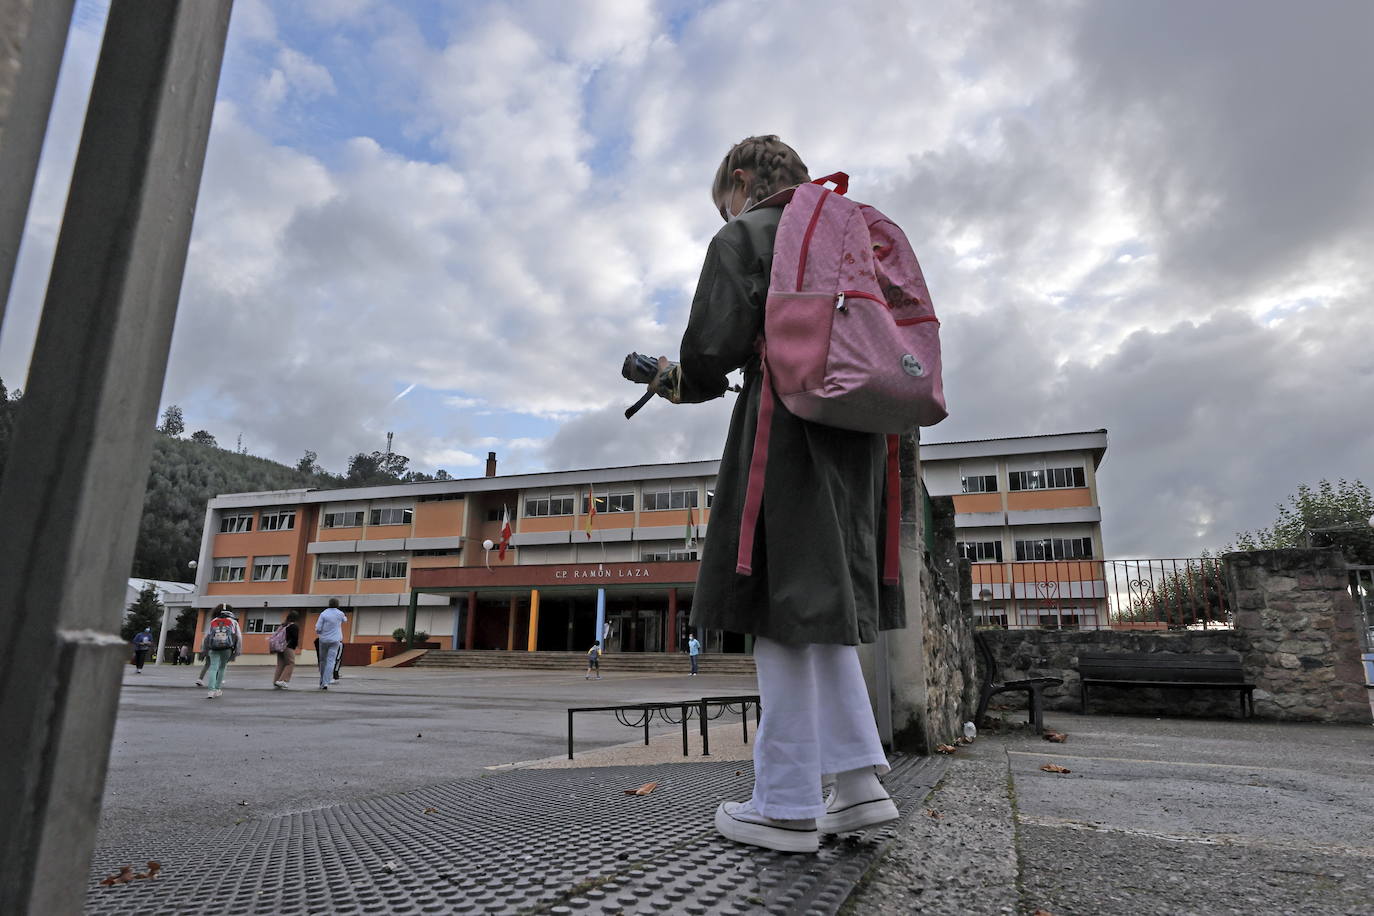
(815,590)
(594,661)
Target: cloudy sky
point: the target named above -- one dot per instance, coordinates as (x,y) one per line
(451,220)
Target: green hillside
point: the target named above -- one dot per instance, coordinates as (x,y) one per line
(181,479)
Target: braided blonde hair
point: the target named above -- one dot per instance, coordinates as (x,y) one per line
(774,166)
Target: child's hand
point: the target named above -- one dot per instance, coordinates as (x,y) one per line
(668,383)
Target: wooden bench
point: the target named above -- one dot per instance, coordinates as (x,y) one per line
(1165,670)
(1032,687)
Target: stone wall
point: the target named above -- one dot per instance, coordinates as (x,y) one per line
(1302,642)
(1054,653)
(1295,630)
(951,659)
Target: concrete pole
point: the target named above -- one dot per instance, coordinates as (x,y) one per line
(600,616)
(471,633)
(533,642)
(73,487)
(33,34)
(162,634)
(411,610)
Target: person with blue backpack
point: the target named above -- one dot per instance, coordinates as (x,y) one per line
(803,556)
(221,644)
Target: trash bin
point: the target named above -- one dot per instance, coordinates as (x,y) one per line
(378,653)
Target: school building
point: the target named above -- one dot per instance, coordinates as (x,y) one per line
(379,550)
(1028,518)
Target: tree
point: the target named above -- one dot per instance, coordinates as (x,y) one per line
(145,612)
(204,437)
(1180,598)
(185,629)
(172,423)
(376,468)
(308,463)
(1325,516)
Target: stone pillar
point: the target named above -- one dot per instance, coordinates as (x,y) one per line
(1298,621)
(510,624)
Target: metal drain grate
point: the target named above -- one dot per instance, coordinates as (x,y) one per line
(525,841)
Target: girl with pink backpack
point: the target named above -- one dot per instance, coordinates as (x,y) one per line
(801,549)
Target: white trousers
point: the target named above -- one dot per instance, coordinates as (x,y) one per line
(817,721)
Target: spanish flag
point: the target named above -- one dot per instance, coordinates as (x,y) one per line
(591,509)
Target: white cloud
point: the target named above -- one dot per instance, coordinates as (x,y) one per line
(1129,218)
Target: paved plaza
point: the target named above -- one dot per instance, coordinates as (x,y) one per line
(388,793)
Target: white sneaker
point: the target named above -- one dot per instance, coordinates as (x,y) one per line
(739,821)
(200,683)
(210,696)
(219,693)
(857,803)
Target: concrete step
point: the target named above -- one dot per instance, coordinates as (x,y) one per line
(566,661)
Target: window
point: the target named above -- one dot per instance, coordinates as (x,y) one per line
(393,516)
(1057,478)
(270,569)
(496,515)
(437,552)
(385,569)
(441,497)
(668,556)
(657,500)
(233,524)
(612,502)
(230,569)
(1055,549)
(278,521)
(539,506)
(347,519)
(980,483)
(980,551)
(336,569)
(257,623)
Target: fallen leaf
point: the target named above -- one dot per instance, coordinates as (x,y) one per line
(1055,768)
(126,874)
(153,869)
(1042,913)
(431,811)
(642,790)
(1056,737)
(946,748)
(935,814)
(961,741)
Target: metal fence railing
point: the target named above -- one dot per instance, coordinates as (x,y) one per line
(1157,594)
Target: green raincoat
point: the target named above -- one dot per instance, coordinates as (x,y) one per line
(819,545)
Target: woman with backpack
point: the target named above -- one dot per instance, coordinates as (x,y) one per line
(813,592)
(221,644)
(284,641)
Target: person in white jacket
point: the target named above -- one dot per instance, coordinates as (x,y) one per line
(221,644)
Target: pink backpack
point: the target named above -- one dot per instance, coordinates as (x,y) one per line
(850,338)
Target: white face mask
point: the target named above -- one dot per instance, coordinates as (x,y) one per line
(731,217)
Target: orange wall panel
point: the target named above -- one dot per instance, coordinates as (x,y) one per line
(662,518)
(382,586)
(1023,500)
(383,532)
(433,562)
(978,502)
(543,523)
(340,534)
(439,519)
(334,587)
(255,544)
(1057,571)
(607,520)
(249,587)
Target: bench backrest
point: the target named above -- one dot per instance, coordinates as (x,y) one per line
(1161,666)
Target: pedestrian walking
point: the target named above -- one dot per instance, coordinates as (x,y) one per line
(694,653)
(812,590)
(329,641)
(184,655)
(222,643)
(594,661)
(284,642)
(143,642)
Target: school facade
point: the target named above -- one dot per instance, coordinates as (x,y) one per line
(388,551)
